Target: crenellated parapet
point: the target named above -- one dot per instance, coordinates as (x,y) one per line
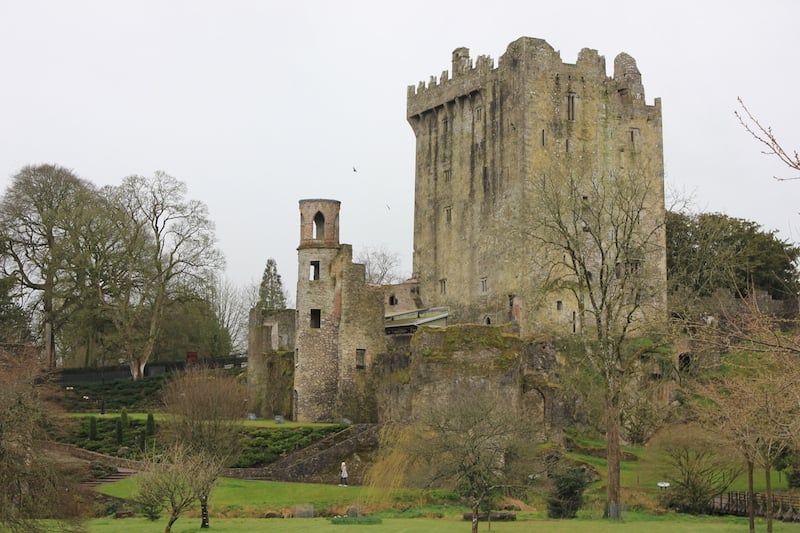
(466,79)
(528,57)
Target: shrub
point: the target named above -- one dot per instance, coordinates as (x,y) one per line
(92,428)
(699,476)
(150,427)
(566,496)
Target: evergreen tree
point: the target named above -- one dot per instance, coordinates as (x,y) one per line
(271,295)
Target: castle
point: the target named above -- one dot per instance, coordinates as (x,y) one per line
(490,143)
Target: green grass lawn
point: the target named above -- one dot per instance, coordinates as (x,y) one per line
(631,524)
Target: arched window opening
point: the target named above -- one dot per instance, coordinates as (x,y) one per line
(319,226)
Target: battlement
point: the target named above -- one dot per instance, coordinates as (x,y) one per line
(528,56)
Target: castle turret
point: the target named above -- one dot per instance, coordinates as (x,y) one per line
(316,341)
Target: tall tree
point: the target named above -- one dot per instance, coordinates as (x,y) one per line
(38,212)
(170,247)
(271,294)
(710,251)
(603,238)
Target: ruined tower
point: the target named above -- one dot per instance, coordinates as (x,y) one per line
(485,137)
(339,324)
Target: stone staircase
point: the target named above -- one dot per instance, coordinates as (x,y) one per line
(120,474)
(315,463)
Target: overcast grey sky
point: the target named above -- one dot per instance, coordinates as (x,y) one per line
(258,104)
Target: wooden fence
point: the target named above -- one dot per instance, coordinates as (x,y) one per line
(785,507)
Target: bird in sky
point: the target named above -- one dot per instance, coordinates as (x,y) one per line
(354,169)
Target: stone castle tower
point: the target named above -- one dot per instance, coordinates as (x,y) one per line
(339,323)
(485,137)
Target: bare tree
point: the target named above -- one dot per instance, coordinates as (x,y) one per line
(753,400)
(603,241)
(206,411)
(32,485)
(382,266)
(471,442)
(170,245)
(232,309)
(767,137)
(175,480)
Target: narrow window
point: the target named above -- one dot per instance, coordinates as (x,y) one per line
(442,286)
(319,226)
(444,125)
(559,305)
(484,284)
(314,274)
(511,301)
(316,318)
(574,322)
(566,145)
(544,138)
(447,175)
(393,300)
(571,106)
(634,133)
(478,114)
(361,358)
(448,214)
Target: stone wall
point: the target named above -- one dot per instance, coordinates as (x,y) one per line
(485,357)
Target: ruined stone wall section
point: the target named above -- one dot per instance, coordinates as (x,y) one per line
(483,137)
(360,332)
(270,333)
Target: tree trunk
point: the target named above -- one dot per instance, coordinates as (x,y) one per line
(137,368)
(172,519)
(768,490)
(475,506)
(613,496)
(204,512)
(751,504)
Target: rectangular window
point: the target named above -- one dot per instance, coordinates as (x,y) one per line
(448,214)
(314,274)
(361,358)
(571,106)
(484,284)
(442,286)
(544,138)
(316,318)
(478,114)
(559,305)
